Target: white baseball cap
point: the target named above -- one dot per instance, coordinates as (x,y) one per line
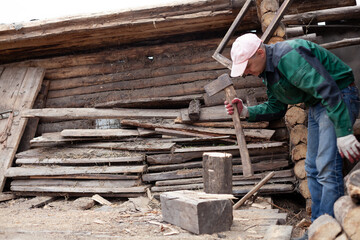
(242,49)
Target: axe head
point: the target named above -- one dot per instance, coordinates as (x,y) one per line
(218,85)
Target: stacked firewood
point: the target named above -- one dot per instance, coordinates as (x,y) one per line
(346,224)
(296,121)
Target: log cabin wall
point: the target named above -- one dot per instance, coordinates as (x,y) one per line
(159,58)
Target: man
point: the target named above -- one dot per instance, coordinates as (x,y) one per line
(298,71)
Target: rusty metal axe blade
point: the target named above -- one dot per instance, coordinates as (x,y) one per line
(218,85)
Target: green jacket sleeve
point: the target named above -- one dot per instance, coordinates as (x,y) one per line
(271,110)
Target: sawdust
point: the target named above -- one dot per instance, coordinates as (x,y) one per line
(133,218)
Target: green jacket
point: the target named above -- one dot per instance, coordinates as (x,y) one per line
(301,71)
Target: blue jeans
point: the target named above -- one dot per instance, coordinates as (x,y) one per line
(323,164)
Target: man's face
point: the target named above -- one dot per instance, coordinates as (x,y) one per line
(256,64)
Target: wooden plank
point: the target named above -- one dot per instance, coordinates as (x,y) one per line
(21,86)
(135,146)
(181,133)
(251,133)
(32,124)
(200,185)
(237,179)
(187,156)
(52,171)
(267,188)
(70,161)
(264,134)
(231,125)
(60,152)
(90,176)
(108,133)
(195,164)
(179,101)
(237,190)
(197,172)
(92,113)
(101,200)
(53,138)
(78,183)
(75,189)
(229,148)
(197,183)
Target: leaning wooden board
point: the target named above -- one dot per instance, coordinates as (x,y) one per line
(19,88)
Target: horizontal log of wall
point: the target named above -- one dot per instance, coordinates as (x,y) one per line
(333,14)
(88,32)
(120,55)
(169,79)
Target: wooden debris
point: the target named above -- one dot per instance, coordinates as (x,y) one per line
(256,188)
(101,200)
(217,172)
(37,202)
(186,210)
(324,227)
(278,232)
(353,186)
(347,214)
(194,110)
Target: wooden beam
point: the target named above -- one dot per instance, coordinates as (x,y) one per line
(92,113)
(53,171)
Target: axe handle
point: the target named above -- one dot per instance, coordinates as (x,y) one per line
(244,153)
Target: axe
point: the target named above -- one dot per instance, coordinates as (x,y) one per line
(224,83)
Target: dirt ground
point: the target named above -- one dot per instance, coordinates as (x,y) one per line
(133,218)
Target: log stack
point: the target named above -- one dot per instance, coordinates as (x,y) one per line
(346,224)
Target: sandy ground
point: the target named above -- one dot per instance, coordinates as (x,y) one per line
(134,218)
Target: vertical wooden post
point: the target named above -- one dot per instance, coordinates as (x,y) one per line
(217,173)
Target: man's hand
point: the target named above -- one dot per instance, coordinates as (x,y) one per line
(242,109)
(349,147)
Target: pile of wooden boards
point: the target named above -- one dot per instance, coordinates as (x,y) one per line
(148,152)
(346,224)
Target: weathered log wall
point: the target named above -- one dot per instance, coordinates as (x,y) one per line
(163,67)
